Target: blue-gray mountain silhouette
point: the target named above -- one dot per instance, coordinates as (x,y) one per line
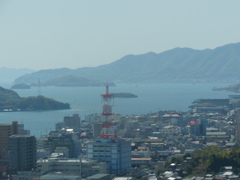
(221,64)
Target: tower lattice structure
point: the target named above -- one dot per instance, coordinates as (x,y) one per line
(107,127)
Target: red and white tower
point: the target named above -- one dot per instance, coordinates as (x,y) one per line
(107,128)
(107,104)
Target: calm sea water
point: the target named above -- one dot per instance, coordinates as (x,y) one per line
(87,100)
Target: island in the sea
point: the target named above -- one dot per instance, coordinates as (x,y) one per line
(11,101)
(124,95)
(233,88)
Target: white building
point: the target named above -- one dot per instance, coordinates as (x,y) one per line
(116,153)
(168,130)
(72,166)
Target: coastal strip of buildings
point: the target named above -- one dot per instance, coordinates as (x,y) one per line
(127,147)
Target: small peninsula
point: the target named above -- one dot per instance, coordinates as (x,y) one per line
(233,88)
(20,86)
(11,101)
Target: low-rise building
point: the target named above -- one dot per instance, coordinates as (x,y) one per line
(141,161)
(72,166)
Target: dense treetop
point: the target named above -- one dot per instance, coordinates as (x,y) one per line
(209,160)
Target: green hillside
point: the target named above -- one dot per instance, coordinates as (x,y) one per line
(11,101)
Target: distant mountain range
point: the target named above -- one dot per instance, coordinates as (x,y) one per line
(221,64)
(72,81)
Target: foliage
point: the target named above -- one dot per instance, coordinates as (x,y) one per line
(8,95)
(160,170)
(208,160)
(212,159)
(41,103)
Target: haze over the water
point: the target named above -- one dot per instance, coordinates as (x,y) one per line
(60,33)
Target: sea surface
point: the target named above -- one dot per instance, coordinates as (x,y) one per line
(87,100)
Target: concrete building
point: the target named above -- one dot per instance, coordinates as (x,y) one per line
(59,176)
(116,153)
(67,141)
(22,131)
(141,161)
(168,130)
(22,152)
(6,130)
(197,127)
(72,122)
(97,128)
(194,130)
(100,177)
(72,166)
(237,119)
(26,175)
(91,118)
(69,122)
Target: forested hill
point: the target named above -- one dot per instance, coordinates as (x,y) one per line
(221,64)
(11,101)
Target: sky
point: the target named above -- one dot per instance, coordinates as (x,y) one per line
(49,34)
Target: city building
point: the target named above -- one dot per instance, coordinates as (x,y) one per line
(6,130)
(72,122)
(108,148)
(97,128)
(91,118)
(168,130)
(22,131)
(59,176)
(116,153)
(69,122)
(237,119)
(26,175)
(197,127)
(100,177)
(71,166)
(22,153)
(64,141)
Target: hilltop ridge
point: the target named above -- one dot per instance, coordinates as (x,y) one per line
(221,64)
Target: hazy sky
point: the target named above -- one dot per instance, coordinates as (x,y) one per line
(44,34)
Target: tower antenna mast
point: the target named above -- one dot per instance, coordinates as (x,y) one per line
(107,129)
(39,88)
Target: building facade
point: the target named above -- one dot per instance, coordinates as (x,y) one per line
(6,130)
(237,119)
(71,166)
(116,153)
(97,128)
(197,127)
(72,122)
(22,152)
(68,141)
(69,122)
